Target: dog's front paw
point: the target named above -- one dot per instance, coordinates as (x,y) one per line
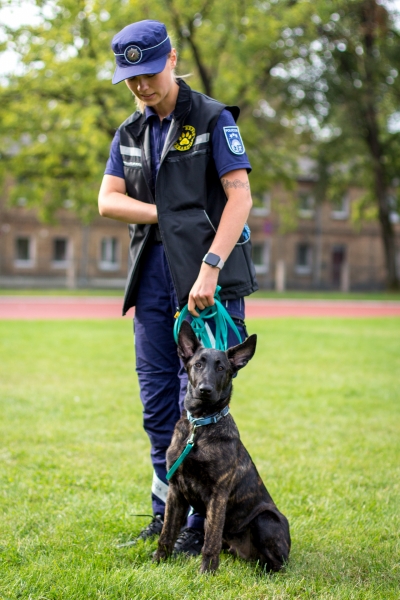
(159,555)
(209,564)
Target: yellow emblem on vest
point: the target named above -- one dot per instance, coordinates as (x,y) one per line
(186,139)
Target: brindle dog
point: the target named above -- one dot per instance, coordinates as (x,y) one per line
(218,477)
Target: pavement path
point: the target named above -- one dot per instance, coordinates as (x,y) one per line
(96,307)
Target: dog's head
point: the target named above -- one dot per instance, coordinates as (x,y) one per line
(210,371)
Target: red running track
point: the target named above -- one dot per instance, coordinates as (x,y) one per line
(73,307)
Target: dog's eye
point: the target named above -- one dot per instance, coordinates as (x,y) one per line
(220,368)
(198,365)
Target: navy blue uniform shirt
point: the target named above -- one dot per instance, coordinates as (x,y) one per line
(225,159)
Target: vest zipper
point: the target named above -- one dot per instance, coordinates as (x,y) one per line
(164,154)
(169,263)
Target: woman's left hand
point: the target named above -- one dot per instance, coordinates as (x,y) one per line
(237,190)
(202,293)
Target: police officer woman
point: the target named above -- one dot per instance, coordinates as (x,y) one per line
(177,174)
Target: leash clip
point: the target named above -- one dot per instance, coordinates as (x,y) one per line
(191,439)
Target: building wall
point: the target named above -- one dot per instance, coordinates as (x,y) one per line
(82,255)
(319,247)
(311,247)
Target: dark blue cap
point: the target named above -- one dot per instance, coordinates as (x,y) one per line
(140,49)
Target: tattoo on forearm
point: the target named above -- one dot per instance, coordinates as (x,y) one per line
(236,183)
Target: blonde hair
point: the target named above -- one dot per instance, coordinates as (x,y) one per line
(141,105)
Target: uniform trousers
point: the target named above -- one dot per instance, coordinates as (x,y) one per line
(162,378)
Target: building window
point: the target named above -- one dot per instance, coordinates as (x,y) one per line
(303,259)
(340,208)
(260,255)
(109,254)
(24,252)
(338,262)
(262,205)
(306,205)
(60,253)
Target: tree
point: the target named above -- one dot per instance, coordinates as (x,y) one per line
(344,81)
(59,116)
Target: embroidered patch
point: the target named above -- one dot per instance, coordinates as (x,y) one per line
(186,139)
(234,140)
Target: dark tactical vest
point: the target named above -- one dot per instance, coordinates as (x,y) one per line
(189,198)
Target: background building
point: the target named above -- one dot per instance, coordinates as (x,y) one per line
(325,250)
(66,254)
(321,250)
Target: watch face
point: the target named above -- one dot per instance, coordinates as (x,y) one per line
(212,259)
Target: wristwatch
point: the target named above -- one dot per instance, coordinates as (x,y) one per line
(213,260)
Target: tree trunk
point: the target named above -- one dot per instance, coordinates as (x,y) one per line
(204,76)
(370,19)
(189,38)
(389,241)
(381,194)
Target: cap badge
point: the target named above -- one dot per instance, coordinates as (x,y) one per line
(133,54)
(186,139)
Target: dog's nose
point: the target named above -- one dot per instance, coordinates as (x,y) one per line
(205,390)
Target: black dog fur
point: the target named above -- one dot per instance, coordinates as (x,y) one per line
(218,478)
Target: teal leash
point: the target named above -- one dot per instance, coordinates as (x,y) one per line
(201,328)
(181,458)
(196,422)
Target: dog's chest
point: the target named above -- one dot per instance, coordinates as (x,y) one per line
(199,477)
(211,462)
(203,455)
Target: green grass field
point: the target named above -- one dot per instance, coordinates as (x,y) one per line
(270,294)
(318,408)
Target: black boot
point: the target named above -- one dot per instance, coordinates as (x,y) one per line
(190,542)
(151,530)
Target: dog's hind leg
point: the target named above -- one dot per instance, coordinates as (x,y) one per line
(271,539)
(175,514)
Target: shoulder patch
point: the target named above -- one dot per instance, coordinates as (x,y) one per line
(186,139)
(234,140)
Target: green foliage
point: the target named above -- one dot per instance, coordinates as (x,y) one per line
(317,408)
(317,79)
(364,209)
(59,116)
(343,76)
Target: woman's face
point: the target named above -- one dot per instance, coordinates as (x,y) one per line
(155,90)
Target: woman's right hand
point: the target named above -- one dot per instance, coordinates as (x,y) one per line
(115,204)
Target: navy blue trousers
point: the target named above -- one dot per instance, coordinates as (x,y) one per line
(162,378)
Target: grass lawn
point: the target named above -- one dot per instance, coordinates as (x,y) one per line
(318,408)
(271,294)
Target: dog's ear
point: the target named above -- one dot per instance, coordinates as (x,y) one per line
(240,355)
(187,342)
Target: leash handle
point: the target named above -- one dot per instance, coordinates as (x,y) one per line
(202,329)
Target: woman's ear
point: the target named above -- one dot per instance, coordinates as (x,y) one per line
(173,57)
